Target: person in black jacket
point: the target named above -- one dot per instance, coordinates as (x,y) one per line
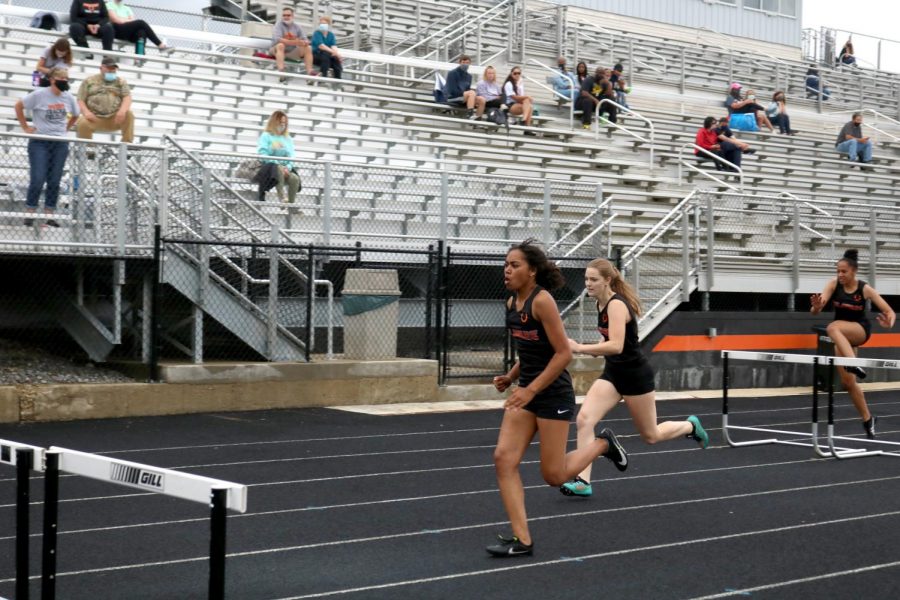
(459,90)
(90,17)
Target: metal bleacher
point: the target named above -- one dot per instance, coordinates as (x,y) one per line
(379,159)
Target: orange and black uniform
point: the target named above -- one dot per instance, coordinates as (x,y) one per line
(557,400)
(629,371)
(851,307)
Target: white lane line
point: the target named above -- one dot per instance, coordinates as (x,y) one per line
(615,553)
(409,534)
(779,584)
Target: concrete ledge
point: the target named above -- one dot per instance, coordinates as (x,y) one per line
(228,388)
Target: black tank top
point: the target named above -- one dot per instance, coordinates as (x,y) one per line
(631,349)
(532,346)
(850,307)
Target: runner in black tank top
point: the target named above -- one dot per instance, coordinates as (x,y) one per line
(544,391)
(626,373)
(851,328)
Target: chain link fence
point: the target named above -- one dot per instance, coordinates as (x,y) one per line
(105,203)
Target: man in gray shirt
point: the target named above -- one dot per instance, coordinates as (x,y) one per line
(850,141)
(288,40)
(54,112)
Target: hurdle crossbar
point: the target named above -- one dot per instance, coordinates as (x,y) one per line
(219,495)
(25,458)
(811,439)
(841,453)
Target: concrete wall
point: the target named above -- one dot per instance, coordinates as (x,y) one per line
(724,18)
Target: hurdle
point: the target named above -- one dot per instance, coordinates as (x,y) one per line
(220,495)
(812,439)
(24,458)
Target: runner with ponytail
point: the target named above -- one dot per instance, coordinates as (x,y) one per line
(851,327)
(626,374)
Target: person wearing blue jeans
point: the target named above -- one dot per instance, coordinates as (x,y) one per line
(850,141)
(54,111)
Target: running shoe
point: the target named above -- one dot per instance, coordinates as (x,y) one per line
(869,426)
(576,487)
(858,371)
(510,546)
(616,453)
(699,434)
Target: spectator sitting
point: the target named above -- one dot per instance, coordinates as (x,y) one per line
(846,56)
(746,106)
(593,90)
(620,85)
(459,93)
(777,113)
(59,55)
(731,147)
(814,84)
(564,82)
(519,104)
(489,89)
(105,103)
(289,41)
(850,141)
(275,141)
(708,138)
(325,50)
(54,111)
(90,17)
(129,29)
(581,73)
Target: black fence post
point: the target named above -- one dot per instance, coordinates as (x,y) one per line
(24,461)
(51,514)
(218,514)
(445,331)
(429,312)
(439,312)
(310,292)
(153,373)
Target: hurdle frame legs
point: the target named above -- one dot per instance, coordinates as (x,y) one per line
(24,462)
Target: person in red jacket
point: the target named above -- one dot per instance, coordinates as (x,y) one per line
(709,138)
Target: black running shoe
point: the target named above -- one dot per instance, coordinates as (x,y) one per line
(51,223)
(616,453)
(858,371)
(869,426)
(29,222)
(510,546)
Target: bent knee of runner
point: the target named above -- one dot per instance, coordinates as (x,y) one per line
(504,460)
(554,477)
(650,437)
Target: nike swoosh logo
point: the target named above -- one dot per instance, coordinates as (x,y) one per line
(514,551)
(624,460)
(559,412)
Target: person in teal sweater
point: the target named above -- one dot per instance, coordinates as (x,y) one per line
(275,142)
(325,50)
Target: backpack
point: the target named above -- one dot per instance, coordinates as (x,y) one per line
(45,20)
(498,117)
(439,83)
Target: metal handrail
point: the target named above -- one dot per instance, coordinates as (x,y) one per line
(588,237)
(636,249)
(555,93)
(715,157)
(466,24)
(625,109)
(419,32)
(575,228)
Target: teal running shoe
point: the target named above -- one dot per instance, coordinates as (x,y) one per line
(576,487)
(699,434)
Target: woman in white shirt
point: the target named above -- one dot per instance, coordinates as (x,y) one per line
(519,104)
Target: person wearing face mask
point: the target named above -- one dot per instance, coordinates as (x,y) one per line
(276,143)
(746,105)
(105,103)
(325,50)
(129,29)
(289,41)
(90,18)
(54,112)
(777,113)
(59,55)
(564,82)
(459,90)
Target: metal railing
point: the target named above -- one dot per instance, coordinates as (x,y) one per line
(557,95)
(625,110)
(715,157)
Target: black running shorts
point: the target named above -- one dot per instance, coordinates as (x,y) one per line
(560,406)
(630,379)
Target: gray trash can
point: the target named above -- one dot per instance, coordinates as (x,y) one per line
(824,347)
(371,303)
